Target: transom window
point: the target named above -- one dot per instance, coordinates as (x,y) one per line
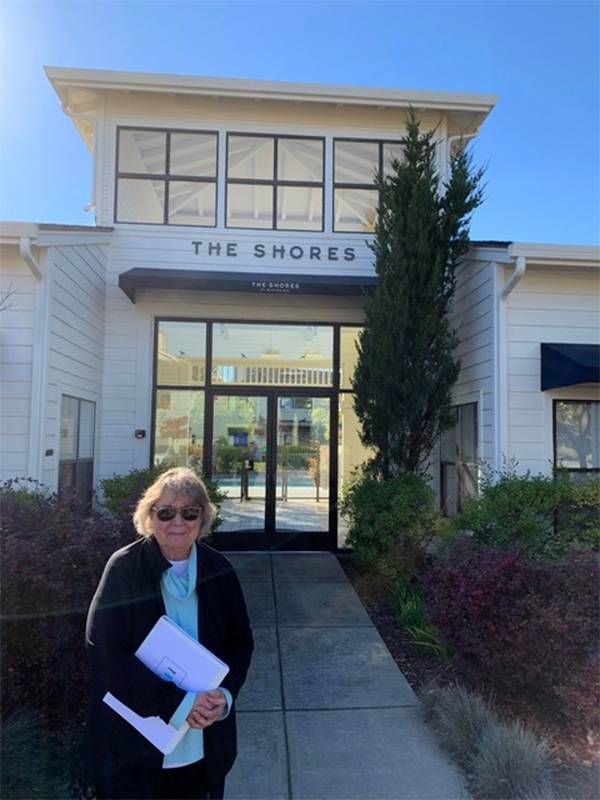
(274,182)
(166,177)
(357,162)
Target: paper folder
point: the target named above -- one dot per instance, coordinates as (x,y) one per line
(175,656)
(162,735)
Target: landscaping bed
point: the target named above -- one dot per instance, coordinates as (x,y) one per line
(574,747)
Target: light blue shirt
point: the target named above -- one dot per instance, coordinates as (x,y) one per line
(178,588)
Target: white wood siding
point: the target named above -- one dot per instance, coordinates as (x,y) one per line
(546,306)
(472,315)
(75,357)
(17,335)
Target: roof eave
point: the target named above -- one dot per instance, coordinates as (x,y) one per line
(106,80)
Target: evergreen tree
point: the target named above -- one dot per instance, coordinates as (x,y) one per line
(406,365)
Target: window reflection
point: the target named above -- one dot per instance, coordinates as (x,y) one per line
(140,200)
(142,151)
(577,425)
(356,162)
(249,206)
(348,355)
(250,157)
(300,160)
(179,427)
(299,208)
(355,210)
(351,453)
(144,172)
(192,203)
(279,355)
(181,351)
(274,182)
(193,154)
(356,167)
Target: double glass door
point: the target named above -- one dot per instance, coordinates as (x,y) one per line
(271,459)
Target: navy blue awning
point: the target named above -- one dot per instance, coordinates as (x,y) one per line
(568,364)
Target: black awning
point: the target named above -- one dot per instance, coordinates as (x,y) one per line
(568,364)
(200,280)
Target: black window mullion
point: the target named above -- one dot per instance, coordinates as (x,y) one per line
(275,179)
(166,178)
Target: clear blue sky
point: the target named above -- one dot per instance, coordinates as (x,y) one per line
(541,143)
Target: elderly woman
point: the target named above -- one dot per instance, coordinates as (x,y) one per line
(167,571)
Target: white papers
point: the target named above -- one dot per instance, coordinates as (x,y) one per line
(175,656)
(162,735)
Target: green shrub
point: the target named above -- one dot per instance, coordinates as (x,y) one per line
(543,516)
(409,605)
(37,762)
(122,492)
(391,522)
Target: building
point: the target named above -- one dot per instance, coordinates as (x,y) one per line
(210,316)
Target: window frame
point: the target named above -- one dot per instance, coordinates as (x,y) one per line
(275,183)
(350,185)
(166,178)
(459,461)
(78,463)
(556,466)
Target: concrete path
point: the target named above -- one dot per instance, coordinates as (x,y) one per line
(325,713)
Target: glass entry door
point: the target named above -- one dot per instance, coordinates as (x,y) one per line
(270,456)
(239,460)
(302,475)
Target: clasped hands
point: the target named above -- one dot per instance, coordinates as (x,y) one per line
(208,708)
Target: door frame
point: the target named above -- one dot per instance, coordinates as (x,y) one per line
(269,538)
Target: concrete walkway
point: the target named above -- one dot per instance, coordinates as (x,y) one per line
(325,712)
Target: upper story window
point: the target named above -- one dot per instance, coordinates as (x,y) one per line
(357,162)
(274,182)
(166,177)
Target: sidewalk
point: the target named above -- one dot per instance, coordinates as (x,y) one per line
(325,712)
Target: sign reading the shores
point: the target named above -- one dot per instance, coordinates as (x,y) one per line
(312,252)
(283,287)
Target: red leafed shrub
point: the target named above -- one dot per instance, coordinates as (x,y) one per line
(525,628)
(50,562)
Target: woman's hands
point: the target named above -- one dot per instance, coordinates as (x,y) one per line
(208,708)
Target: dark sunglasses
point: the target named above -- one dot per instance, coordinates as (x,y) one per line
(167,513)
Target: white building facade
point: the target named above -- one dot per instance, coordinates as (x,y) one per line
(209,318)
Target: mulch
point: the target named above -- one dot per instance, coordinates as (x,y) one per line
(573,744)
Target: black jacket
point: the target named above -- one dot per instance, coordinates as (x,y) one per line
(126,605)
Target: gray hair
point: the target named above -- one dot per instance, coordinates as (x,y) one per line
(182,481)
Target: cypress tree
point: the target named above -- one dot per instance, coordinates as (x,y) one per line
(406,364)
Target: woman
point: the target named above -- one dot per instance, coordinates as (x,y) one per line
(166,571)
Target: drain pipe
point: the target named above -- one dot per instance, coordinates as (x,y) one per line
(38,361)
(501,348)
(29,258)
(460,137)
(518,272)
